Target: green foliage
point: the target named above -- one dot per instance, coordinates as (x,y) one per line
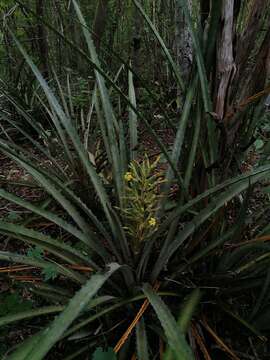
(101,354)
(110,203)
(49,272)
(13,303)
(81,93)
(13,217)
(36,253)
(174,335)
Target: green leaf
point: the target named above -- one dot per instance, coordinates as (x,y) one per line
(141,341)
(198,52)
(49,273)
(184,318)
(180,135)
(119,303)
(61,250)
(188,310)
(176,338)
(26,347)
(21,259)
(87,238)
(13,303)
(101,354)
(24,313)
(172,63)
(79,302)
(49,185)
(140,116)
(109,115)
(259,144)
(36,253)
(194,145)
(13,216)
(66,123)
(169,249)
(133,121)
(263,297)
(261,172)
(266,189)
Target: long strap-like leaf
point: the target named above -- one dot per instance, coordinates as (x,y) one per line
(47,215)
(47,310)
(53,333)
(198,52)
(71,131)
(172,63)
(141,341)
(140,116)
(110,118)
(49,186)
(169,249)
(42,264)
(175,337)
(133,125)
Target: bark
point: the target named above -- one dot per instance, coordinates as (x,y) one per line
(245,41)
(100,22)
(254,84)
(183,42)
(268,68)
(260,71)
(225,60)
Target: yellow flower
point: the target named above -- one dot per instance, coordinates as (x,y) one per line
(152,222)
(128,176)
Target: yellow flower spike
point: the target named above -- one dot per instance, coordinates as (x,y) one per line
(128,176)
(152,222)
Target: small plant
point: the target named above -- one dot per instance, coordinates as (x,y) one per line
(13,303)
(48,272)
(142,197)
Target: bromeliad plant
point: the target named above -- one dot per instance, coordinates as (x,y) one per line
(109,219)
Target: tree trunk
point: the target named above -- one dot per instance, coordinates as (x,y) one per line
(183,41)
(246,40)
(225,59)
(183,48)
(258,75)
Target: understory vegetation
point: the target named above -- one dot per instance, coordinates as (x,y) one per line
(135,180)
